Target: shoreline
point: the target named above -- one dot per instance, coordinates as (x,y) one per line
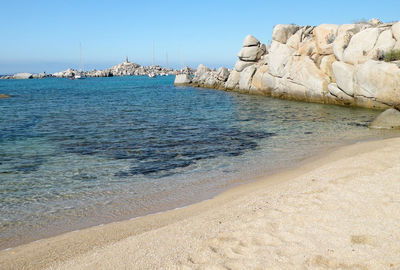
(65,247)
(232,183)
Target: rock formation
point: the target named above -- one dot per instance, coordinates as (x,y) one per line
(124,69)
(336,64)
(182,79)
(23,75)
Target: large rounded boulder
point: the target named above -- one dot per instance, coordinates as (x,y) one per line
(389,119)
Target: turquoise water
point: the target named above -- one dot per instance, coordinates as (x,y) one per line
(80,153)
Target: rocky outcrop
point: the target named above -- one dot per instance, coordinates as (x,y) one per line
(22,76)
(251,52)
(207,78)
(66,73)
(182,79)
(377,81)
(336,64)
(124,69)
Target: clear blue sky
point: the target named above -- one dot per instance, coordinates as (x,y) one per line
(44,35)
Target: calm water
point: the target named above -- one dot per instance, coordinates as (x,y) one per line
(81,153)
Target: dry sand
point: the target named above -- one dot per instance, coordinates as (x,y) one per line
(340,211)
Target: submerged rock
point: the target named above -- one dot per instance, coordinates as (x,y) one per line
(389,119)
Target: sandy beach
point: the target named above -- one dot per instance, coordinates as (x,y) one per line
(338,211)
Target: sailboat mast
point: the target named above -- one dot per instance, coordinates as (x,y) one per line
(80,56)
(166,59)
(182,62)
(153,52)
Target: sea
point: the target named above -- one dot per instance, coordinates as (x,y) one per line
(79,153)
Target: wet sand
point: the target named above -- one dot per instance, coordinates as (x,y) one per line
(340,210)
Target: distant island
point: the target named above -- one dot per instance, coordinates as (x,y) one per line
(124,69)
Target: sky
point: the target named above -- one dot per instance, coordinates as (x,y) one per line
(44,35)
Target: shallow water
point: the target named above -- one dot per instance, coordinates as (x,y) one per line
(80,153)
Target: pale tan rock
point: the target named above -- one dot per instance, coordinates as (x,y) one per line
(343,74)
(240,65)
(263,49)
(204,76)
(278,57)
(339,94)
(22,76)
(294,41)
(222,74)
(246,77)
(397,45)
(250,53)
(182,79)
(282,32)
(326,66)
(379,81)
(211,80)
(263,81)
(302,70)
(233,80)
(344,35)
(396,30)
(385,43)
(325,35)
(307,48)
(201,69)
(286,88)
(317,58)
(250,40)
(389,119)
(360,46)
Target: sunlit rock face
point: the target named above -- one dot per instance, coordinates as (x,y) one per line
(336,64)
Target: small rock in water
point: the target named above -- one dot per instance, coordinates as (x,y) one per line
(182,79)
(23,75)
(4,96)
(389,119)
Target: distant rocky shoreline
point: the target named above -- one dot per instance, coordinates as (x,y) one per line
(124,69)
(332,64)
